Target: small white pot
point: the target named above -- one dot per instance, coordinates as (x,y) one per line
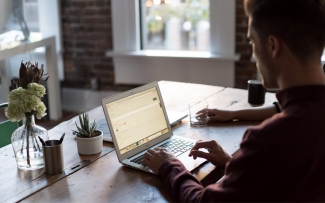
(90,146)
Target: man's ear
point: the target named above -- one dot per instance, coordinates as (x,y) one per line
(274,45)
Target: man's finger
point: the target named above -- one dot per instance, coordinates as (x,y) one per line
(196,153)
(158,149)
(145,162)
(210,111)
(201,111)
(148,156)
(204,144)
(151,151)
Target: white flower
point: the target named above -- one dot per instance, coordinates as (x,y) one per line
(36,89)
(22,101)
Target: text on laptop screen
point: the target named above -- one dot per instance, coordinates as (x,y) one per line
(137,119)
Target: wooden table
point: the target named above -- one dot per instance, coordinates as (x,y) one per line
(101,178)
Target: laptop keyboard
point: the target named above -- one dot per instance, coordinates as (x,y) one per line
(176,146)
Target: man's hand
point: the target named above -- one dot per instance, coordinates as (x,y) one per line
(154,158)
(216,155)
(220,115)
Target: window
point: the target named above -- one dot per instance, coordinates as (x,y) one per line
(175,25)
(134,64)
(127,34)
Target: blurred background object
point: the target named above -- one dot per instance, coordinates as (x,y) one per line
(12,22)
(5,12)
(176,25)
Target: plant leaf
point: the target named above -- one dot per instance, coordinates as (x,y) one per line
(23,76)
(85,130)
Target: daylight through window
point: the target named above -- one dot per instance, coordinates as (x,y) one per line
(175,25)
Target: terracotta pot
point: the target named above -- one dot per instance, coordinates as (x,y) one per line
(90,146)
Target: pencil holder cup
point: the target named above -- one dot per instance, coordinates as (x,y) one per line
(53,157)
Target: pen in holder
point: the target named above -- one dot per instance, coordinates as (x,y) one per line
(53,156)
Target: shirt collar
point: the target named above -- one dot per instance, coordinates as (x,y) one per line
(310,92)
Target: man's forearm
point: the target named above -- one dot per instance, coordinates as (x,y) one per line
(257,113)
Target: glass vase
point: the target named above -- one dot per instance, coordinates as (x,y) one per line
(27,146)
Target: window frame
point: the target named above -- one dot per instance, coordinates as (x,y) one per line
(143,27)
(127,46)
(126,26)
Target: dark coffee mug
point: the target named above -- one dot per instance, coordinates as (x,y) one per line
(256,92)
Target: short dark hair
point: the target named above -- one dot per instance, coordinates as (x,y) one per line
(300,23)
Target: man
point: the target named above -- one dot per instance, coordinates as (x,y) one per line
(282,159)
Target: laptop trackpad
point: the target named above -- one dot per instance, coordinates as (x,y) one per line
(189,163)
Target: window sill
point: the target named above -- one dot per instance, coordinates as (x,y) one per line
(174,55)
(140,67)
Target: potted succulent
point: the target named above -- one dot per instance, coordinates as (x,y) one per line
(89,140)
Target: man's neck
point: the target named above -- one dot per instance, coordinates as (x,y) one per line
(301,75)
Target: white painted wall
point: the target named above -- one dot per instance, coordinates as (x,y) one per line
(139,70)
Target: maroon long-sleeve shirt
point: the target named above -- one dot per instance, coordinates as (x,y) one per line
(282,159)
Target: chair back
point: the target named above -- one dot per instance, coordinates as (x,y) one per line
(6,129)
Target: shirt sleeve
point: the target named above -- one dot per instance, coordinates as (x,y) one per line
(247,176)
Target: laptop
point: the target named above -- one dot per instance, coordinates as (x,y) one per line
(137,120)
(174,118)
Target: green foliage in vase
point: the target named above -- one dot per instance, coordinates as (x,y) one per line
(85,130)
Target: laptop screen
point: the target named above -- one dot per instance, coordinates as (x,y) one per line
(137,119)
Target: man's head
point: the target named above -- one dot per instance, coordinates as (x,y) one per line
(297,24)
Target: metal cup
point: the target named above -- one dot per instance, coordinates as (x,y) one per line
(53,157)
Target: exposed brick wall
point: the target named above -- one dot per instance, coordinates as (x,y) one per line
(86,26)
(87,35)
(245,69)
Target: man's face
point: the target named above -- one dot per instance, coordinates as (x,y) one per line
(263,58)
